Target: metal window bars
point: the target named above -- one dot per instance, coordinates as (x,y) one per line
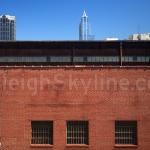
(77,132)
(42,132)
(126,132)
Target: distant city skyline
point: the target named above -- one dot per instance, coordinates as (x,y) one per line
(59,20)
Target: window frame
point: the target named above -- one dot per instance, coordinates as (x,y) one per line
(51,127)
(135,122)
(80,144)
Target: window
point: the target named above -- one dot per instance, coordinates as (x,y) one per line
(126,132)
(127,59)
(134,58)
(103,59)
(78,59)
(23,59)
(60,59)
(42,132)
(77,132)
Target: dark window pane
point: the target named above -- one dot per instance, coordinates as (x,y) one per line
(126,132)
(42,132)
(77,132)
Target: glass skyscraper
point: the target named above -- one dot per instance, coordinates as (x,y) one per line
(7,27)
(85,29)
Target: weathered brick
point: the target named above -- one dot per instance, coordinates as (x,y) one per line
(22,100)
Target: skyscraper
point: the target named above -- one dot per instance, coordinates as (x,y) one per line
(7,27)
(85,28)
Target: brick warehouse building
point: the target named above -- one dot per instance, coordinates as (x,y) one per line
(75,95)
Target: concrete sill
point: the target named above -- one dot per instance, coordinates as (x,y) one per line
(41,145)
(77,145)
(125,146)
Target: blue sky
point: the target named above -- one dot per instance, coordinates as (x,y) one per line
(59,19)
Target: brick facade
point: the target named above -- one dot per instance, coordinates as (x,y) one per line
(99,95)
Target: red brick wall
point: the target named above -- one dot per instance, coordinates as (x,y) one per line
(26,96)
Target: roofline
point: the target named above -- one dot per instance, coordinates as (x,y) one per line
(77,67)
(76,41)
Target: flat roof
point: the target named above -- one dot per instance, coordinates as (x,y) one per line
(123,52)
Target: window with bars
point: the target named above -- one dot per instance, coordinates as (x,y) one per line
(77,132)
(42,132)
(126,132)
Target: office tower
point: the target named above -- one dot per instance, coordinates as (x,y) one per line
(144,36)
(7,27)
(85,28)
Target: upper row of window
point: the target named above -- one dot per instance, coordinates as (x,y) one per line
(75,59)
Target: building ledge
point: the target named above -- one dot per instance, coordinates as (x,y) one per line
(77,145)
(41,145)
(76,67)
(125,146)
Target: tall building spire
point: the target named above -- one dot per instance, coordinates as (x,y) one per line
(84,28)
(84,14)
